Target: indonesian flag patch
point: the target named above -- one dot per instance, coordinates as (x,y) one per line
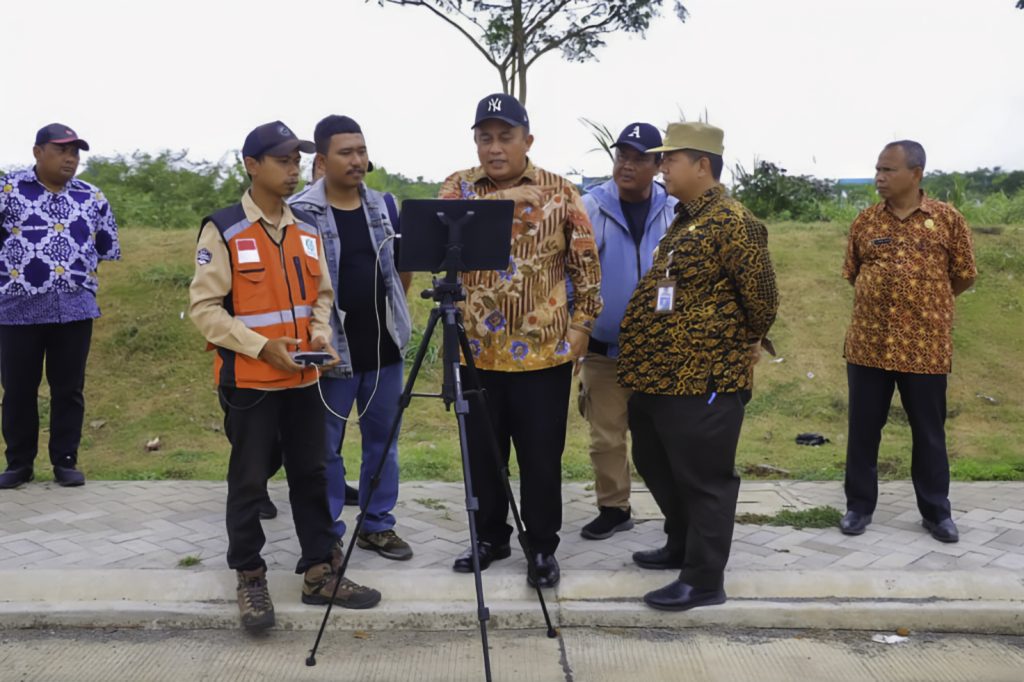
(247,251)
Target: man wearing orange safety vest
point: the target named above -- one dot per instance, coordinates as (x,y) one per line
(260,293)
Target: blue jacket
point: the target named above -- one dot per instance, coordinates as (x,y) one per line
(313,201)
(622,262)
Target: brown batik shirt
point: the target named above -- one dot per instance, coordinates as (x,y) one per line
(517,319)
(902,272)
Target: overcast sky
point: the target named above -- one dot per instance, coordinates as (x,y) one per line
(817,86)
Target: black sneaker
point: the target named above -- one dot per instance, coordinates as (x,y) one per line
(609,521)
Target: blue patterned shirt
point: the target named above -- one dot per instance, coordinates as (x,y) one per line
(50,248)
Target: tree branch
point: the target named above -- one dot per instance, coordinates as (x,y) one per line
(444,17)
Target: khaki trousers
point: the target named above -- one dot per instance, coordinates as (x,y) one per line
(603,404)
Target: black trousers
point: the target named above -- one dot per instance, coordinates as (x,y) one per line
(23,349)
(260,424)
(685,449)
(924,400)
(528,410)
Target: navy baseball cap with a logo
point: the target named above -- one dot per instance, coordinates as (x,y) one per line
(503,108)
(275,139)
(639,136)
(58,133)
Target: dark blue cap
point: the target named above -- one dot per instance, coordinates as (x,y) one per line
(275,139)
(58,133)
(503,108)
(639,136)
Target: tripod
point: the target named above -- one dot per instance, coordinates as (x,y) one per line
(447,291)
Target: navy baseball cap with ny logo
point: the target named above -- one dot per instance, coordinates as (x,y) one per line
(274,139)
(503,108)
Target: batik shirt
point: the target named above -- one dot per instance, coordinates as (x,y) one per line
(517,319)
(715,258)
(50,248)
(902,272)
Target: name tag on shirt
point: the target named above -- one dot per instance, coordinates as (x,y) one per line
(247,251)
(309,246)
(666,297)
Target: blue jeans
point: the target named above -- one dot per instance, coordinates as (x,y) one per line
(374,427)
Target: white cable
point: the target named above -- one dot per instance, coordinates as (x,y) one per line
(376,311)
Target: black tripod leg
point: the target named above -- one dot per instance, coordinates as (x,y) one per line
(406,397)
(452,390)
(524,541)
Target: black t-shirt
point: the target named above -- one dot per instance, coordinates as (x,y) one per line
(636,217)
(357,270)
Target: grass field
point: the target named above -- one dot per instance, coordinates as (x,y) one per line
(149,377)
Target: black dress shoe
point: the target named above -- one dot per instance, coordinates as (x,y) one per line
(12,478)
(268,510)
(659,559)
(679,596)
(351,496)
(943,531)
(854,523)
(543,571)
(488,553)
(68,477)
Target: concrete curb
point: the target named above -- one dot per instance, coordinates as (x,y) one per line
(987,601)
(979,617)
(505,584)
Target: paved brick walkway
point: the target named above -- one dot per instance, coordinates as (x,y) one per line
(122,524)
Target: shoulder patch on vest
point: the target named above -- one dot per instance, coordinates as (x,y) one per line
(309,246)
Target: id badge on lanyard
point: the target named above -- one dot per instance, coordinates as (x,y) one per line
(665,296)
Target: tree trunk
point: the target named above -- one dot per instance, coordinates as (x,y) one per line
(519,49)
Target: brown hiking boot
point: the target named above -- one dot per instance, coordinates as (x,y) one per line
(337,555)
(387,544)
(254,605)
(319,584)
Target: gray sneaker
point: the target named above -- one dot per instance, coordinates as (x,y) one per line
(387,544)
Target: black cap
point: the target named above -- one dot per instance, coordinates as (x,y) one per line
(58,133)
(639,136)
(275,139)
(504,108)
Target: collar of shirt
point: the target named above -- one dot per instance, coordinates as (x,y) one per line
(31,175)
(927,206)
(693,208)
(254,213)
(478,174)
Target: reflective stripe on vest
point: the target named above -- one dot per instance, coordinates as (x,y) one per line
(276,317)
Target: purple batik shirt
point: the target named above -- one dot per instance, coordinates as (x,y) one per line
(50,248)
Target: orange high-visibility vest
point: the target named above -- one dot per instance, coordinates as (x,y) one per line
(273,290)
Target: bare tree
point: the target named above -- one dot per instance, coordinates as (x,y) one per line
(513,34)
